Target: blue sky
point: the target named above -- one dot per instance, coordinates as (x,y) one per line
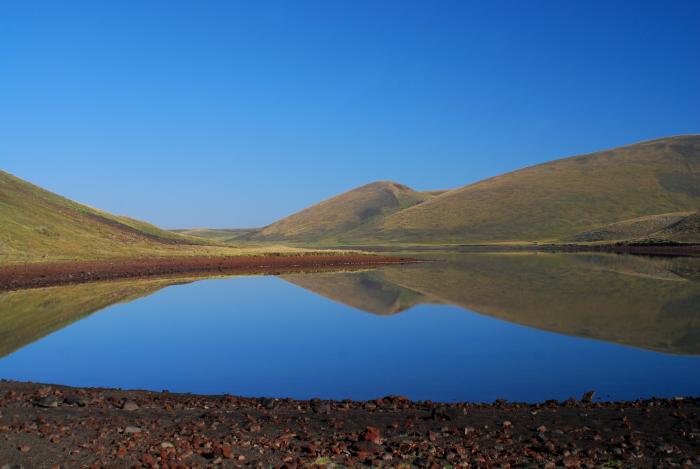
(224,113)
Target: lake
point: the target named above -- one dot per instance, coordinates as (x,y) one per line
(465,327)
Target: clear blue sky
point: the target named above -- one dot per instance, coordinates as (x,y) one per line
(225,113)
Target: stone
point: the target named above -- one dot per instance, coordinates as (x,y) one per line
(269,403)
(75,400)
(372,434)
(131,430)
(129,405)
(47,402)
(320,407)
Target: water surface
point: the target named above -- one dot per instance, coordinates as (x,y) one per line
(474,327)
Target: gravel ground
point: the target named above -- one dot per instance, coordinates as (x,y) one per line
(45,426)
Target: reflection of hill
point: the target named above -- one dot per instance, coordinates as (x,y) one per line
(642,302)
(365,290)
(29,315)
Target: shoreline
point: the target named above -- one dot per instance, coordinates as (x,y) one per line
(638,249)
(38,275)
(46,425)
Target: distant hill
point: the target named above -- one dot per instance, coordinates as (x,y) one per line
(624,193)
(37,225)
(555,200)
(339,217)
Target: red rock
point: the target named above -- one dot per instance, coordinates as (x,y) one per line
(226,451)
(372,434)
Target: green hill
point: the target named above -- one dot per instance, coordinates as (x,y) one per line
(556,200)
(36,224)
(686,230)
(339,217)
(611,195)
(631,229)
(39,226)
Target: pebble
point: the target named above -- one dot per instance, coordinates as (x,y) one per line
(269,403)
(320,407)
(48,402)
(131,430)
(75,400)
(129,405)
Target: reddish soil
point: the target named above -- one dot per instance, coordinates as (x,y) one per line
(14,277)
(55,426)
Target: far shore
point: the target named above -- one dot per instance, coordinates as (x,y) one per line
(666,249)
(36,275)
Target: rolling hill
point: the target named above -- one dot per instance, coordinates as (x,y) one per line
(633,229)
(39,226)
(550,202)
(339,217)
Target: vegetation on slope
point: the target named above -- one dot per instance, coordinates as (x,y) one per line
(631,229)
(556,200)
(621,194)
(686,230)
(340,216)
(37,225)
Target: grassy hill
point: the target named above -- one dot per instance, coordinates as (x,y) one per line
(624,193)
(631,229)
(38,226)
(685,230)
(340,216)
(558,199)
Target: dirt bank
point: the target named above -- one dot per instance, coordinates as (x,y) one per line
(51,426)
(14,277)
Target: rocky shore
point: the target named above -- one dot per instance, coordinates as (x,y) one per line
(45,426)
(36,275)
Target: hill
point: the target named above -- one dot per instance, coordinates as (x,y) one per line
(685,230)
(39,226)
(631,229)
(339,217)
(623,193)
(555,200)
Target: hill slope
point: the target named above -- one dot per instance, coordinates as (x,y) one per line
(631,229)
(561,198)
(686,230)
(344,213)
(36,224)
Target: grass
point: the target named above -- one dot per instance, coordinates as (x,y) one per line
(551,202)
(631,229)
(39,226)
(344,213)
(556,200)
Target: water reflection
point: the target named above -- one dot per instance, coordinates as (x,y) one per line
(652,303)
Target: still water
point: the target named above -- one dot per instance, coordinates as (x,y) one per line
(476,327)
